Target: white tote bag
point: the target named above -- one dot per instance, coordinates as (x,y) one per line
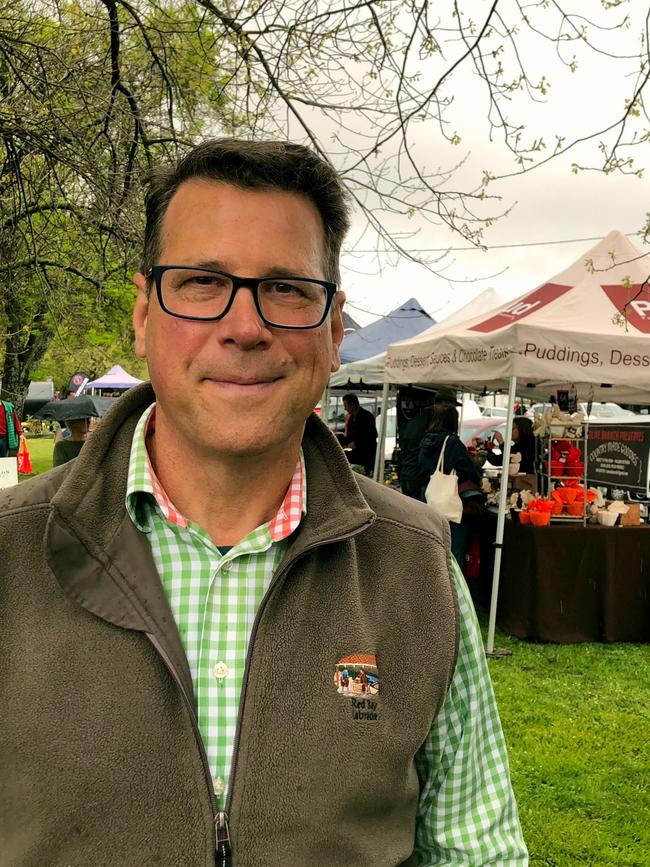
(442,491)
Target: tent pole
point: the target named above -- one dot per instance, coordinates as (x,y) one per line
(501,519)
(381,437)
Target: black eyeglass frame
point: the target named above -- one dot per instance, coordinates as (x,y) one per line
(251,283)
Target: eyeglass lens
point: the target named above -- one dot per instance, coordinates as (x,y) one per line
(205,295)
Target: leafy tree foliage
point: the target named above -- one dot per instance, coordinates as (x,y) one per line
(90,98)
(93,92)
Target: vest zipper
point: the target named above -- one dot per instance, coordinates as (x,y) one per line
(221,818)
(260,611)
(222,834)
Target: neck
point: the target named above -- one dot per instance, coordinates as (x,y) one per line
(228,496)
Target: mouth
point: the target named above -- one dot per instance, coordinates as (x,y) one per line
(244,384)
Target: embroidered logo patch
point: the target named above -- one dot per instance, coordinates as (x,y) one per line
(356,677)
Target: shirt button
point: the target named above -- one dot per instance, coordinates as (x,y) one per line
(219,786)
(220,670)
(226,567)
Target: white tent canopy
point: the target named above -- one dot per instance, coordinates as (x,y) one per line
(116,378)
(588,325)
(370,371)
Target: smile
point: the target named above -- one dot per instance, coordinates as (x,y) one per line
(246,385)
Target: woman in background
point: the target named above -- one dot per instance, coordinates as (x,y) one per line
(523,444)
(445,426)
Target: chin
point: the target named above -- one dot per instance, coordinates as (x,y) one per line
(242,444)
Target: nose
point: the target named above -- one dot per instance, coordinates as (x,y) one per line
(242,324)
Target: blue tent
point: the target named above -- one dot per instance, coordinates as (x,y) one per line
(406,321)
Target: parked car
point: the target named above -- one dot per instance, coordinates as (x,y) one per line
(494,411)
(599,411)
(481,427)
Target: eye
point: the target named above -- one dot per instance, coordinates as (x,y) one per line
(292,291)
(280,287)
(216,281)
(181,280)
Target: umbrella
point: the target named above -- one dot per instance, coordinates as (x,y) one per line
(85,406)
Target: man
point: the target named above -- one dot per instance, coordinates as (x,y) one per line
(410,438)
(210,540)
(10,429)
(360,434)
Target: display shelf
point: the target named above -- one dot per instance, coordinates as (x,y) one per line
(564,476)
(551,480)
(567,518)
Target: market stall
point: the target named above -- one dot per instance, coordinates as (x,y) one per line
(116,380)
(586,328)
(365,372)
(566,583)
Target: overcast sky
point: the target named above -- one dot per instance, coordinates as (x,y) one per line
(549,204)
(553,205)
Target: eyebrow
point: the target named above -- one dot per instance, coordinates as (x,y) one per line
(274,271)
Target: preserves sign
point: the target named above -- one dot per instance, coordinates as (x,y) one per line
(618,455)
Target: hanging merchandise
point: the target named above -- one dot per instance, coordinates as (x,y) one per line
(562,397)
(573,399)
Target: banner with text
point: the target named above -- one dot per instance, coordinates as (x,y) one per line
(618,455)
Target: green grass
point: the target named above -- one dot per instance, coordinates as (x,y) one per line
(40,452)
(577,723)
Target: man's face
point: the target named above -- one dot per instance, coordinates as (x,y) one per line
(237,386)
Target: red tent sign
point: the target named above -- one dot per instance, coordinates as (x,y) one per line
(633,303)
(523,307)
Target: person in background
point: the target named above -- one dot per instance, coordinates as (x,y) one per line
(523,444)
(10,429)
(211,543)
(68,448)
(444,427)
(62,431)
(360,434)
(410,438)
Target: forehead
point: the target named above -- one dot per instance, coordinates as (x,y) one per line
(241,228)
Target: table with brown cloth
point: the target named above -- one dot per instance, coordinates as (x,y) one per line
(567,583)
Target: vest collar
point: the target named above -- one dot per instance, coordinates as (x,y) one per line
(105,564)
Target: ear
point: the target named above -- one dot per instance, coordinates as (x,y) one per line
(140,313)
(338,331)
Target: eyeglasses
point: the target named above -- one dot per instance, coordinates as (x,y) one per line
(204,295)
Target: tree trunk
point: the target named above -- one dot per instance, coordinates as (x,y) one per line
(23,352)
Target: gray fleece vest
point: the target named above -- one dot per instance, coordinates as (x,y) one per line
(101,763)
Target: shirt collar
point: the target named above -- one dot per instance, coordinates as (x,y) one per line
(142,482)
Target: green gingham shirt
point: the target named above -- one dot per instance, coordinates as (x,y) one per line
(467,812)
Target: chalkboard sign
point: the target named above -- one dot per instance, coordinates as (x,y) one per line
(618,456)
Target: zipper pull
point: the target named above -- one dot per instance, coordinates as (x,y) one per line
(223,839)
